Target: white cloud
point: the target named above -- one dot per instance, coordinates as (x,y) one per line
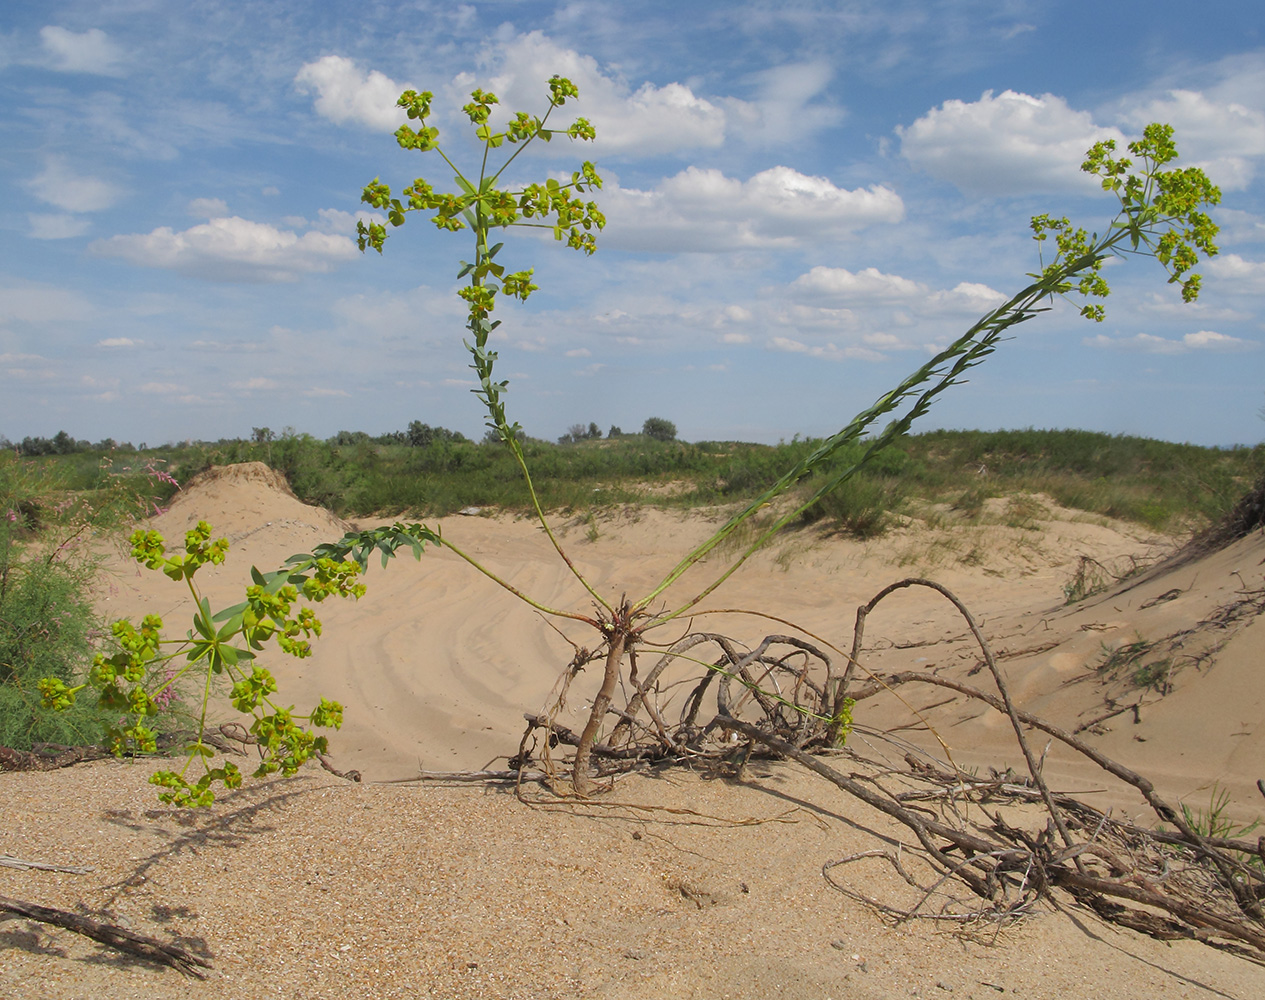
(334,220)
(785,109)
(56,227)
(1146,343)
(1222,138)
(647,121)
(207,208)
(1010,144)
(864,287)
(703,210)
(871,287)
(258,384)
(231,249)
(114,342)
(87,52)
(827,352)
(320,393)
(345,93)
(59,185)
(1243,276)
(22,359)
(966,297)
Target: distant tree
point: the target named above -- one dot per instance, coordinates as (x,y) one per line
(614,432)
(346,438)
(391,437)
(578,432)
(659,429)
(420,434)
(105,444)
(35,446)
(63,443)
(262,435)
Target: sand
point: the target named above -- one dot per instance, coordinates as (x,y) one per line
(676,883)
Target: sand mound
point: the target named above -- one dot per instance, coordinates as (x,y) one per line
(249,504)
(239,500)
(460,892)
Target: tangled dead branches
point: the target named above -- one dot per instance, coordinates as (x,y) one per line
(970,860)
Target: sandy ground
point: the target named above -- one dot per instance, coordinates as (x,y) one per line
(675,883)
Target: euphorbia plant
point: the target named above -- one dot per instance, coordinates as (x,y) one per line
(1160,215)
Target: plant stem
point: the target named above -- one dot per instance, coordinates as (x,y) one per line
(618,637)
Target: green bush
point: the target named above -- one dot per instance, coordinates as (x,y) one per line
(659,429)
(47,629)
(859,506)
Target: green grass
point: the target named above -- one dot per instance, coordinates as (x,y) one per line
(50,510)
(1163,486)
(1133,662)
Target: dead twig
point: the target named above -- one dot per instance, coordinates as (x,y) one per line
(112,936)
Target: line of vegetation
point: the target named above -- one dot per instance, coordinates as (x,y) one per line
(48,627)
(432,471)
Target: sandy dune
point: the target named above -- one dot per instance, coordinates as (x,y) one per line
(312,887)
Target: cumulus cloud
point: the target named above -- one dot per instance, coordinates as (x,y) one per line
(1147,343)
(59,185)
(644,120)
(1009,144)
(868,286)
(116,342)
(1245,276)
(871,287)
(231,249)
(347,94)
(1224,138)
(56,227)
(703,210)
(74,52)
(647,121)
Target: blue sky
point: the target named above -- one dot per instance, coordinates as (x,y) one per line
(803,200)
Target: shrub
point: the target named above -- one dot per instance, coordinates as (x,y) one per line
(659,429)
(47,628)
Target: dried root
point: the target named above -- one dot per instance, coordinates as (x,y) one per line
(966,863)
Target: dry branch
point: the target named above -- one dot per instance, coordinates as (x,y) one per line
(111,935)
(1178,884)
